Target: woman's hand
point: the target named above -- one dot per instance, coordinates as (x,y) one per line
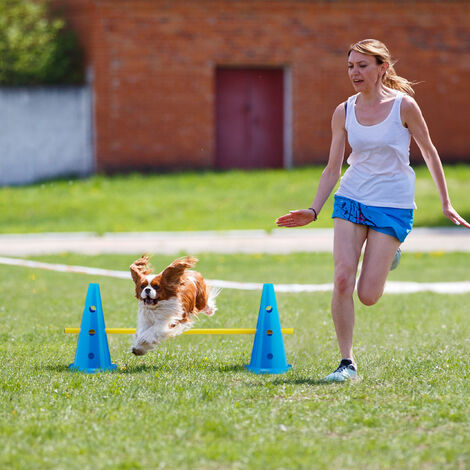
(296,218)
(454,217)
(419,130)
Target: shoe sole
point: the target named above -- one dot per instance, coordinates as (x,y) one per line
(340,379)
(396,260)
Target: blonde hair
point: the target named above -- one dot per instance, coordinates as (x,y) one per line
(382,55)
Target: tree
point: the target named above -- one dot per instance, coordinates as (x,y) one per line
(35,48)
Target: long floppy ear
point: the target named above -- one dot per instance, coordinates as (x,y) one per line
(140,268)
(172,274)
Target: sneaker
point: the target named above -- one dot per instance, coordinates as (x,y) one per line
(396,260)
(345,371)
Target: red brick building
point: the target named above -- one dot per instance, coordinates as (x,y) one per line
(240,83)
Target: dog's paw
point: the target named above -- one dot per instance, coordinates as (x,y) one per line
(209,310)
(138,351)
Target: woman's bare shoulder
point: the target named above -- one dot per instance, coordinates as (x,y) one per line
(340,110)
(338,120)
(409,103)
(411,115)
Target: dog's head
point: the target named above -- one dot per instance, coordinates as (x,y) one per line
(151,288)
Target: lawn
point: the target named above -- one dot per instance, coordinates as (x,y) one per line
(192,405)
(194,201)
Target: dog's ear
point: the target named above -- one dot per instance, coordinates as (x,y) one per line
(172,274)
(140,268)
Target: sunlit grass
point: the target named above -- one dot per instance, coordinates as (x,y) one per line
(192,405)
(193,201)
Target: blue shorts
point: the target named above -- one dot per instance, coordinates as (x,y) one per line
(389,220)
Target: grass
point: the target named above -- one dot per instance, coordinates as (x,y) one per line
(191,404)
(193,201)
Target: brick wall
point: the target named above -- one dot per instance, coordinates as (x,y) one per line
(154,63)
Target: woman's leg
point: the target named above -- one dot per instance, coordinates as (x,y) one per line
(348,241)
(378,256)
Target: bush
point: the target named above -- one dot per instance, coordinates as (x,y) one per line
(36,49)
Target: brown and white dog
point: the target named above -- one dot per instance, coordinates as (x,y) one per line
(169,302)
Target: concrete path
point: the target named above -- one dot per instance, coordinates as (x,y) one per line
(279,241)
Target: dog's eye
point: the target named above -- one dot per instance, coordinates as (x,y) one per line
(155,287)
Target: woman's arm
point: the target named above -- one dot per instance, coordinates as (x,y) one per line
(329,177)
(419,130)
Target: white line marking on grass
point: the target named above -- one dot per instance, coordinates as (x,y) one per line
(391,287)
(65,268)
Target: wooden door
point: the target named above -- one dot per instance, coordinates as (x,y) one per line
(249,118)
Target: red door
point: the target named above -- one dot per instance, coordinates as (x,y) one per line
(249,118)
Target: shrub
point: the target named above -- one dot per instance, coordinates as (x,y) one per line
(35,48)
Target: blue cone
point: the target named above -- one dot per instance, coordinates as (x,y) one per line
(268,355)
(92,349)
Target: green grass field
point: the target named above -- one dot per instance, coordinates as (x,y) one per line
(192,405)
(194,201)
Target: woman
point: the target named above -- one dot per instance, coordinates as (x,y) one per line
(375,199)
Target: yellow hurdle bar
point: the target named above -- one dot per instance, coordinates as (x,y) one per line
(195,331)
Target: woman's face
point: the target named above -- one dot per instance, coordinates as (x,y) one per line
(364,72)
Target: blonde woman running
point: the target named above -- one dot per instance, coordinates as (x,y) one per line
(375,200)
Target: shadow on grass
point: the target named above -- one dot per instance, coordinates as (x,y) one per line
(183,367)
(126,369)
(275,379)
(138,369)
(229,368)
(257,380)
(286,380)
(54,367)
(300,381)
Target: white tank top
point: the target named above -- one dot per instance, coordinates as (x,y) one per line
(379,173)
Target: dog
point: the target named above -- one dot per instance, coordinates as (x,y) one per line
(169,302)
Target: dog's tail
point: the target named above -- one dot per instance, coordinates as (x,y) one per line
(211,307)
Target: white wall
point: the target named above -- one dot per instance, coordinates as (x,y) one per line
(45,132)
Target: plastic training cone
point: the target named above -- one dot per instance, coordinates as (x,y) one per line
(268,355)
(92,349)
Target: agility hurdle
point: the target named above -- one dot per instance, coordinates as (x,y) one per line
(268,355)
(194,331)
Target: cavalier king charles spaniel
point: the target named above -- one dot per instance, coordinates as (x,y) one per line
(168,302)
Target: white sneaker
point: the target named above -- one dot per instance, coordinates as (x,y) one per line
(345,371)
(396,260)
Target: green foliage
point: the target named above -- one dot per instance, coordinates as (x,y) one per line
(36,49)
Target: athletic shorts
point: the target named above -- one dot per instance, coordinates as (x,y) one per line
(389,220)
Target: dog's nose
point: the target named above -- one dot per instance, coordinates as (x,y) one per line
(147,290)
